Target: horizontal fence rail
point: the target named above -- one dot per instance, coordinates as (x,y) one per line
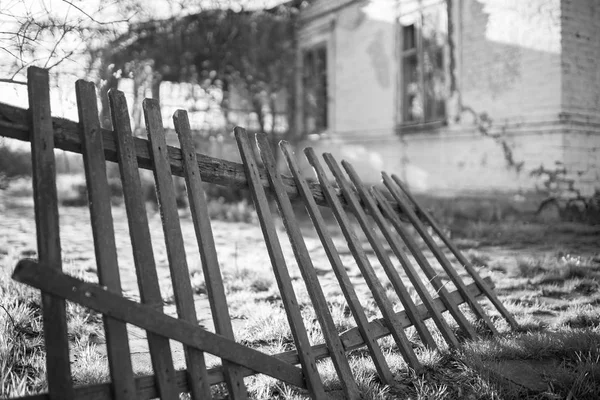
(14,123)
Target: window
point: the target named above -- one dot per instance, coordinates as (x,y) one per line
(315,89)
(424,88)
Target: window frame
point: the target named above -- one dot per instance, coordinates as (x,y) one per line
(404,125)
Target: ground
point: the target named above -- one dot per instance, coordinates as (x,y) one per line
(547,275)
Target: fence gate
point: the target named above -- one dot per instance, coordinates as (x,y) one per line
(372,207)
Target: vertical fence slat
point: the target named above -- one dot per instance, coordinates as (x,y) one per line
(60,383)
(307,269)
(437,252)
(386,263)
(208,252)
(117,343)
(284,282)
(409,268)
(180,275)
(338,268)
(387,310)
(459,256)
(139,231)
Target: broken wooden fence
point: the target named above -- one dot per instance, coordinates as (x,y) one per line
(371,208)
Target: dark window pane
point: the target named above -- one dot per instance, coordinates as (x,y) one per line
(315,90)
(408,37)
(413,100)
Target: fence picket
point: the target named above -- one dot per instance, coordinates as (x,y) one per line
(385,261)
(117,343)
(338,267)
(436,282)
(437,252)
(307,269)
(54,314)
(208,251)
(363,263)
(139,232)
(459,256)
(410,270)
(282,276)
(180,274)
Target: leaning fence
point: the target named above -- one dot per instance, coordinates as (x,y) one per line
(390,210)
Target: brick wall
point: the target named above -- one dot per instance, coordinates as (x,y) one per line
(509,63)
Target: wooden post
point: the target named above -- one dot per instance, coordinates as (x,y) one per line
(180,274)
(338,268)
(117,343)
(385,261)
(460,285)
(307,269)
(459,256)
(208,251)
(282,275)
(45,202)
(143,257)
(383,302)
(410,270)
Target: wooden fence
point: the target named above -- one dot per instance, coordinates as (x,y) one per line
(346,195)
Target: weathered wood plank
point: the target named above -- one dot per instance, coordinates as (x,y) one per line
(180,274)
(438,253)
(352,339)
(208,251)
(410,270)
(47,228)
(377,289)
(280,270)
(338,267)
(14,124)
(117,343)
(426,217)
(436,282)
(377,246)
(307,269)
(147,317)
(139,232)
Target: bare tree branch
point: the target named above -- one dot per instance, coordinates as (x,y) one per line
(94,19)
(14,81)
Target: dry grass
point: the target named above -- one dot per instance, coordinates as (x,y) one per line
(555,296)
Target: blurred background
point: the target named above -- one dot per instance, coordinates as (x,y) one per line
(493,103)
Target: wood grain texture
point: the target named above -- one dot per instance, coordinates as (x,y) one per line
(437,283)
(352,339)
(141,243)
(439,254)
(280,270)
(426,217)
(377,246)
(47,228)
(410,270)
(14,124)
(117,342)
(338,267)
(377,289)
(307,269)
(180,274)
(208,251)
(147,317)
